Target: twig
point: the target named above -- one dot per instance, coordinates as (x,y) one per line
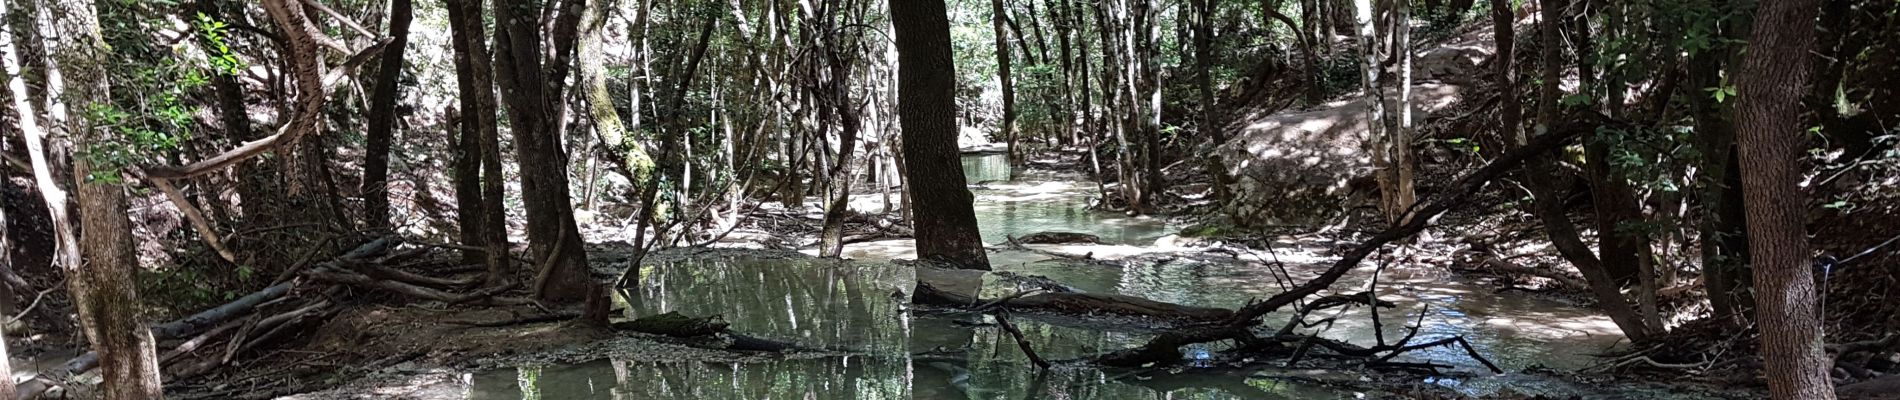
(30,306)
(1459,340)
(1002,319)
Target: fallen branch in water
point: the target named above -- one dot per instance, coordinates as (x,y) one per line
(1002,319)
(1165,348)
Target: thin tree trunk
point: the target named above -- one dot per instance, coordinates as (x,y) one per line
(1405,188)
(252,179)
(66,247)
(1204,11)
(1064,29)
(926,78)
(1148,60)
(1007,127)
(478,100)
(1770,142)
(382,118)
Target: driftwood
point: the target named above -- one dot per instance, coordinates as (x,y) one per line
(1165,348)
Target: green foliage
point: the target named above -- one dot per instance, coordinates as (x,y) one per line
(222,59)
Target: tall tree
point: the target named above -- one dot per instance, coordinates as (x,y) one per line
(66,252)
(533,80)
(480,214)
(1401,190)
(1771,145)
(926,100)
(999,16)
(102,281)
(1203,17)
(382,118)
(1547,196)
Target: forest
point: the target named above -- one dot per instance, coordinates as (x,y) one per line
(950,199)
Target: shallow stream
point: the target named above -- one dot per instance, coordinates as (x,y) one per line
(859,307)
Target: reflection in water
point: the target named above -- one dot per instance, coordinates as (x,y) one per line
(855,307)
(1007,207)
(981,169)
(818,304)
(823,378)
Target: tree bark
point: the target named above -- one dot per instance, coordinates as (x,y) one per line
(1770,142)
(629,157)
(926,79)
(102,283)
(533,84)
(483,223)
(382,118)
(1399,134)
(1369,44)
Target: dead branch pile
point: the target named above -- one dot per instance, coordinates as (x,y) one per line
(285,310)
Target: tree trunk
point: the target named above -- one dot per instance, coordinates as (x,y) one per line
(1064,29)
(629,157)
(1548,206)
(102,284)
(1147,55)
(255,196)
(534,85)
(382,119)
(476,81)
(926,78)
(1399,148)
(1725,253)
(66,249)
(1007,127)
(1386,129)
(1770,142)
(1204,11)
(841,53)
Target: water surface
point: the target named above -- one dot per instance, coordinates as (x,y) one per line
(859,308)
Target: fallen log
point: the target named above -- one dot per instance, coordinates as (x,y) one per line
(1071,303)
(1165,348)
(1058,238)
(676,325)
